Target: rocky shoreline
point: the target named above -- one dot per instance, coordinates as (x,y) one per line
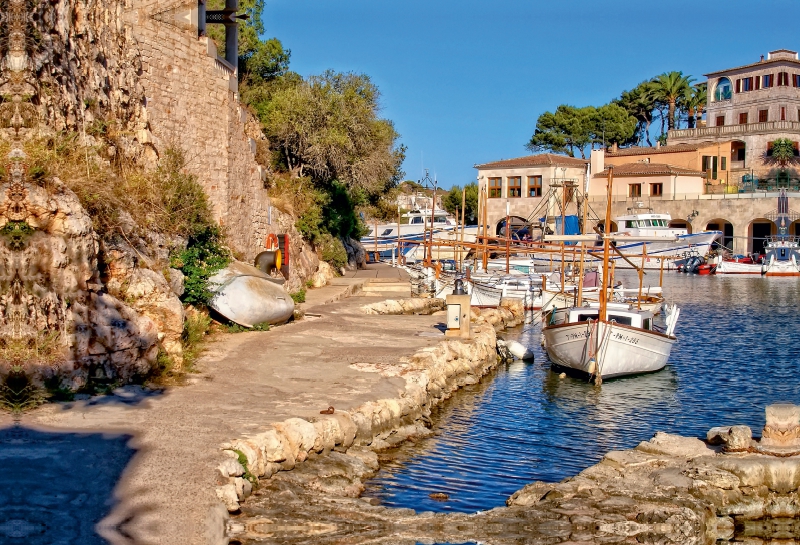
(668,490)
(431,376)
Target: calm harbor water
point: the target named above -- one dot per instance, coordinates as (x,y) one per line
(738,351)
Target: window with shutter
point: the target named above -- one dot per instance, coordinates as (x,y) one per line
(757,82)
(743,118)
(783,113)
(763,116)
(720,120)
(738,85)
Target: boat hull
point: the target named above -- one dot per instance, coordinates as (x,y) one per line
(620,350)
(735,267)
(246,296)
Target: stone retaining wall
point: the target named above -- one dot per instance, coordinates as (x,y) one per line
(432,375)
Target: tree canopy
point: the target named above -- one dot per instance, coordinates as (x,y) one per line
(570,129)
(452,202)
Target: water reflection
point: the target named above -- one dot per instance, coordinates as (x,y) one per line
(736,354)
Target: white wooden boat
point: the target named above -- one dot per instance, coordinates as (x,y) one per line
(247,296)
(625,344)
(607,340)
(738,267)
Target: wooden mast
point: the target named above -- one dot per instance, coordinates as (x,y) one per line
(606,247)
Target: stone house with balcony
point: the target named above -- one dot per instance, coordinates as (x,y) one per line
(748,108)
(520,184)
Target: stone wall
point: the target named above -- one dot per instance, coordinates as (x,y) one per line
(191,102)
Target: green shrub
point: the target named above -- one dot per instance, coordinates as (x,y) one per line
(202,258)
(236,328)
(332,250)
(195,329)
(299,296)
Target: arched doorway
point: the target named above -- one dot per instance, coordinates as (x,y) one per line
(757,233)
(794,228)
(727,231)
(601,225)
(519,227)
(681,224)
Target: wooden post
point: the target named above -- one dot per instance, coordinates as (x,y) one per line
(641,275)
(606,249)
(579,301)
(661,274)
(563,268)
(508,235)
(463,208)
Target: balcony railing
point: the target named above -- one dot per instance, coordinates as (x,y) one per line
(733,130)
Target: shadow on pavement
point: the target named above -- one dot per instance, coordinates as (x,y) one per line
(55,487)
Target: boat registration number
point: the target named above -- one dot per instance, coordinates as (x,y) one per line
(625,338)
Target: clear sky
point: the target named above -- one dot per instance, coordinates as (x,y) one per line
(464,81)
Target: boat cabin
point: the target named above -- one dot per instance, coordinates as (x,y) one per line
(615,312)
(642,222)
(423,217)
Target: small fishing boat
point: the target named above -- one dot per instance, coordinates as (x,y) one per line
(247,296)
(623,342)
(782,256)
(605,339)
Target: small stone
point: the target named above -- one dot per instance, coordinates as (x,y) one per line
(562,376)
(231,468)
(439,496)
(735,438)
(227,494)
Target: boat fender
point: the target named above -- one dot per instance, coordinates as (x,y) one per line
(519,351)
(592,366)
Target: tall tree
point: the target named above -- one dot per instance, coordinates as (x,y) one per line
(612,124)
(564,131)
(259,60)
(452,202)
(670,87)
(640,103)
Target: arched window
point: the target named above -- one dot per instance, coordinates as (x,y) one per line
(723,90)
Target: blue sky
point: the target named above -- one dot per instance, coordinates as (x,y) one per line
(464,81)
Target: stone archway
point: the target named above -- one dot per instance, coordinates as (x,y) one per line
(518,225)
(757,232)
(719,224)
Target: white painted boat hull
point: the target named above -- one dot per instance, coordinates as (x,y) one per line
(782,268)
(620,352)
(734,267)
(246,296)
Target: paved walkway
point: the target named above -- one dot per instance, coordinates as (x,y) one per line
(152,455)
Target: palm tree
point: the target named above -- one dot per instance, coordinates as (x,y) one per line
(670,87)
(695,103)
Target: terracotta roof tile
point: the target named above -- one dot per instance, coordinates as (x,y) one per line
(675,148)
(765,62)
(544,159)
(649,169)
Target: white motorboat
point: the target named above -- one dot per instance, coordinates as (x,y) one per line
(664,243)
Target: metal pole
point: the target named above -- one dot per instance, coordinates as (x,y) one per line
(508,235)
(606,249)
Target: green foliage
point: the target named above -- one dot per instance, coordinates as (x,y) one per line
(236,328)
(299,296)
(570,129)
(612,124)
(332,250)
(452,202)
(563,131)
(204,255)
(670,87)
(195,329)
(640,104)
